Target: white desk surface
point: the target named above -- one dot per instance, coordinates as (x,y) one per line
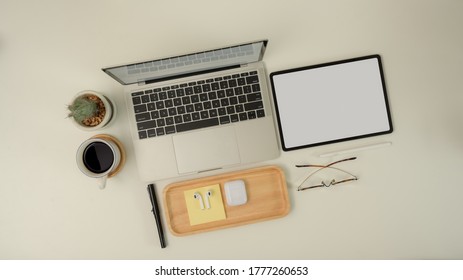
(406,205)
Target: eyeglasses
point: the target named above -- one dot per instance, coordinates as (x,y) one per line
(330,183)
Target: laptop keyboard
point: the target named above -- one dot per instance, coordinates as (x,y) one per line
(204,103)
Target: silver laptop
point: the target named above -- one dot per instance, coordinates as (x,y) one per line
(199,112)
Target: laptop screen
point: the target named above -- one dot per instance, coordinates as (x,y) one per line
(178,66)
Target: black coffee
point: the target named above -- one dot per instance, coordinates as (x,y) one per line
(98,157)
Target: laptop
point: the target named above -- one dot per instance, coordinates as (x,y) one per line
(199,112)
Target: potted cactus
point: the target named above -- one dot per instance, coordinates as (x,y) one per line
(91,110)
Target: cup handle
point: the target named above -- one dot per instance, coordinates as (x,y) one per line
(102,182)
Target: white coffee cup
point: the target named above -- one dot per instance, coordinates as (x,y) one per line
(97,158)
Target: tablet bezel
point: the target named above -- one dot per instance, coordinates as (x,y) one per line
(285,146)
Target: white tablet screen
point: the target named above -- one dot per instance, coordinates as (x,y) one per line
(331,102)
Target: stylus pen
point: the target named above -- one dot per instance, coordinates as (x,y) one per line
(157,215)
(358,149)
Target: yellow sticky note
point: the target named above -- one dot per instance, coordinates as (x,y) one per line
(216,210)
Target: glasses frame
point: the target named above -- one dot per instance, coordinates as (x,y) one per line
(333,182)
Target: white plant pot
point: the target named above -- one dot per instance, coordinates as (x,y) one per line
(109,115)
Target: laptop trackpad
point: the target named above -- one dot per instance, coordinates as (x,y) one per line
(207,149)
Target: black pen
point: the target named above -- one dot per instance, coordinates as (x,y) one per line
(157,215)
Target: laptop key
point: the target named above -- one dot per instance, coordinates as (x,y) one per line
(224,102)
(194,99)
(152,133)
(223,84)
(142,134)
(254,106)
(252,79)
(186,100)
(155,115)
(177,102)
(169,121)
(138,93)
(151,106)
(180,92)
(195,116)
(230,110)
(181,110)
(215,86)
(170,129)
(238,90)
(222,111)
(221,94)
(197,89)
(260,113)
(145,98)
(136,100)
(252,115)
(160,131)
(233,100)
(197,124)
(224,120)
(143,117)
(203,97)
(239,108)
(140,108)
(212,95)
(206,87)
(172,111)
(198,107)
(163,113)
(190,108)
(160,105)
(169,103)
(254,96)
(234,118)
(178,119)
(160,122)
(229,92)
(207,105)
(189,90)
(154,97)
(146,125)
(215,103)
(204,114)
(213,113)
(232,83)
(187,118)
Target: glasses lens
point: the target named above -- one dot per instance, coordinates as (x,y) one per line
(327,177)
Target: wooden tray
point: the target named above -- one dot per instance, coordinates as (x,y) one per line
(267,199)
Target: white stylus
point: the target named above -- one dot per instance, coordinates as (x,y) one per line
(358,149)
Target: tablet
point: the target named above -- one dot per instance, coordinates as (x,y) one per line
(331,102)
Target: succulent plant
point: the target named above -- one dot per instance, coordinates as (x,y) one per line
(82,108)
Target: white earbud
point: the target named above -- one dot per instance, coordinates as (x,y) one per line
(198,196)
(208,194)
